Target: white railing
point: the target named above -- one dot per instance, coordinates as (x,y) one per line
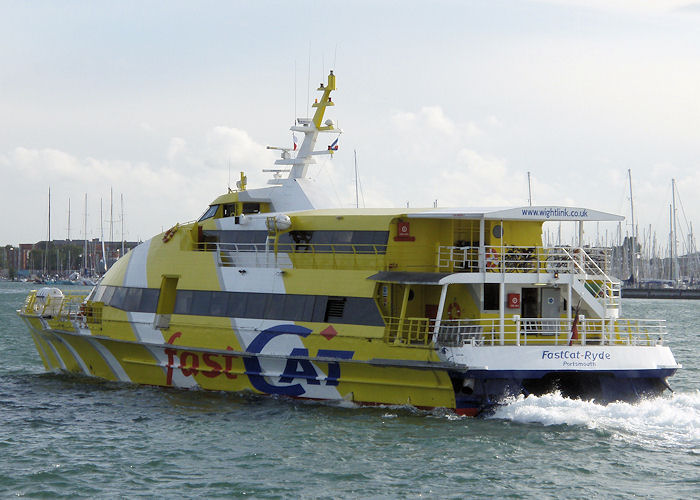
(549,331)
(524,259)
(352,255)
(64,308)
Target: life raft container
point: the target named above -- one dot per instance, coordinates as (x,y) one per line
(170,233)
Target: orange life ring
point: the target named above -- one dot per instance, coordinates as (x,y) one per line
(454,311)
(491,258)
(170,233)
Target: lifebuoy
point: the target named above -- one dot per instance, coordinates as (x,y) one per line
(170,233)
(454,311)
(491,258)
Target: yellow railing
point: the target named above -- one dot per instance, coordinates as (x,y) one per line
(408,331)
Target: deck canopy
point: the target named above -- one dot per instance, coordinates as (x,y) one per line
(408,278)
(543,213)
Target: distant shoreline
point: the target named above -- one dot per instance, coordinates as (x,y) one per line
(659,293)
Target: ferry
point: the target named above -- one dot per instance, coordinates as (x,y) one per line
(275,291)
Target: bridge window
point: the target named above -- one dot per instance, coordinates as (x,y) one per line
(211,212)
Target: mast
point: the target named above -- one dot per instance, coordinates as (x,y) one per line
(48,238)
(634,230)
(85,243)
(357,194)
(670,241)
(111,217)
(102,237)
(673,231)
(311,127)
(121,197)
(68,267)
(529,191)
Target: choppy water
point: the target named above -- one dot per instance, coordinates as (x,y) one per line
(64,436)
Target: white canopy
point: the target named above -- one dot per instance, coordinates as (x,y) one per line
(543,213)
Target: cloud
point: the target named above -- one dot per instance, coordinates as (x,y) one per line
(433,120)
(156,195)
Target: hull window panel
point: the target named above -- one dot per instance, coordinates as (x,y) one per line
(183,303)
(236,305)
(107,295)
(149,300)
(218,304)
(200,302)
(132,299)
(117,299)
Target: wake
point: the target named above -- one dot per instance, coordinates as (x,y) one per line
(666,421)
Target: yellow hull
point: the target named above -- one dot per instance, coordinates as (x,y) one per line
(373,375)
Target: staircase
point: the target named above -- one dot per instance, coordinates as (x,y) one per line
(597,289)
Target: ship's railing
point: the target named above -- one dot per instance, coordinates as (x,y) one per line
(308,255)
(524,331)
(408,331)
(549,331)
(524,259)
(68,307)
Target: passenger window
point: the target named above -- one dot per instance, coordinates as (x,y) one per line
(149,300)
(218,304)
(200,303)
(236,305)
(183,302)
(251,208)
(118,298)
(132,299)
(107,295)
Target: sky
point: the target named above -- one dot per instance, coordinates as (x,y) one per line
(451,102)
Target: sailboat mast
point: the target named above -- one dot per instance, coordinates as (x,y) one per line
(68,265)
(673,231)
(121,198)
(102,237)
(357,194)
(111,216)
(48,238)
(634,230)
(85,243)
(670,241)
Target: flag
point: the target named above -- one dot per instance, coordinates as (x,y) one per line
(574,325)
(334,145)
(294,138)
(574,331)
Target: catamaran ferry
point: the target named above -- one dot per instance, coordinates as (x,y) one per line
(274,292)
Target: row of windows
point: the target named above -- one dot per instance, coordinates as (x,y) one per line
(128,298)
(230,210)
(289,307)
(236,236)
(334,241)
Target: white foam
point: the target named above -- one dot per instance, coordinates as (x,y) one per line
(665,421)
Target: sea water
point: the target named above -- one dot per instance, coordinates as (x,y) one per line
(70,436)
